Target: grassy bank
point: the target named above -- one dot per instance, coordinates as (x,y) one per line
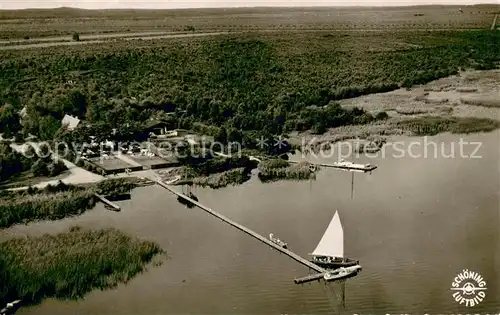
(278,169)
(70,264)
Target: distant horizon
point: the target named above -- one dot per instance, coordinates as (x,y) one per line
(222,4)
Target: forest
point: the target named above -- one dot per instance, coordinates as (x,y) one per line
(237,86)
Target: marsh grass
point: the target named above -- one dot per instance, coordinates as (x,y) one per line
(70,264)
(412,110)
(277,169)
(217,172)
(485,102)
(53,206)
(233,177)
(115,186)
(432,125)
(466,90)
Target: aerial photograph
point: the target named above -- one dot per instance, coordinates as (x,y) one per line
(249,157)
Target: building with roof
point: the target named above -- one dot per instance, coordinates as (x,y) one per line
(70,122)
(23,112)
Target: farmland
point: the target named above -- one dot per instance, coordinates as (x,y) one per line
(65,21)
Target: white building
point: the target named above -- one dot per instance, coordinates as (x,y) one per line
(70,122)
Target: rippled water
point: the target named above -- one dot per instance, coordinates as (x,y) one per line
(414,223)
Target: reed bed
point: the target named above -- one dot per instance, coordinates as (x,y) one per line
(485,102)
(233,177)
(216,173)
(277,169)
(466,90)
(25,208)
(114,187)
(432,125)
(70,264)
(412,110)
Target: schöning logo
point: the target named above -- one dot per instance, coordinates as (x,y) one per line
(470,288)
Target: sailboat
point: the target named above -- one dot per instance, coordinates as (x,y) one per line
(329,253)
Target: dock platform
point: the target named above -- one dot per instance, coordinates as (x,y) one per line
(314,277)
(240,227)
(345,166)
(115,207)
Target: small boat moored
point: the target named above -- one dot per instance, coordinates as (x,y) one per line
(342,273)
(278,241)
(186,202)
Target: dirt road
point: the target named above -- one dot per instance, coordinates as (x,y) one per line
(83,42)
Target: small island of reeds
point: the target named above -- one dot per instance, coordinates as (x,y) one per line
(217,172)
(70,264)
(278,169)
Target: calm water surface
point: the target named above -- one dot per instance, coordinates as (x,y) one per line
(414,223)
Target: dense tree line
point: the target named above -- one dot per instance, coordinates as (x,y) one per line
(231,87)
(13,163)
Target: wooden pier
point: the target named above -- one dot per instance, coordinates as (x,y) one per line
(339,165)
(115,207)
(240,227)
(314,277)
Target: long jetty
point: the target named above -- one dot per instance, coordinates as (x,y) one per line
(240,227)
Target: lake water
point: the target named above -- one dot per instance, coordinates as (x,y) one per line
(414,224)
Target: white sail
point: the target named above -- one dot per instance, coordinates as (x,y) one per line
(332,242)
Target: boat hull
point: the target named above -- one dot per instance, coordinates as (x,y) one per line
(278,242)
(335,264)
